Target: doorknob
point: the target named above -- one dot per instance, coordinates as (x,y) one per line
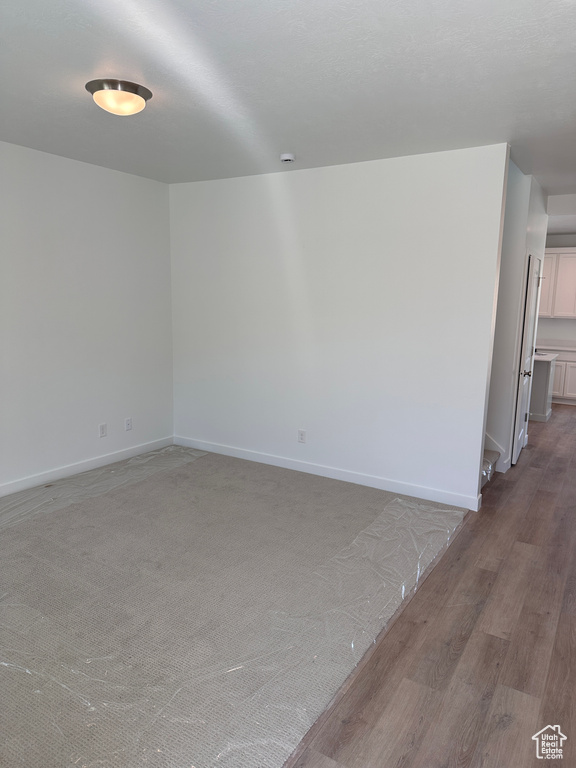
(526,373)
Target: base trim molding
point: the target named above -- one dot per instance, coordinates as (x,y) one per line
(372,481)
(82,466)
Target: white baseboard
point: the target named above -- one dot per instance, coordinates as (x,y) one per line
(503,465)
(82,466)
(542,417)
(372,481)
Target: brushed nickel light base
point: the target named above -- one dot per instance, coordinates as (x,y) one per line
(120,97)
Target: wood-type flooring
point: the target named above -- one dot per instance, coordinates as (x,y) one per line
(484,654)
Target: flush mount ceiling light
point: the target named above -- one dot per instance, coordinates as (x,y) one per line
(120,97)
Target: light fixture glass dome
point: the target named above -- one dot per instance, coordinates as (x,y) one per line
(120,97)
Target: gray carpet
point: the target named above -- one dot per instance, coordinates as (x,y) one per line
(200,614)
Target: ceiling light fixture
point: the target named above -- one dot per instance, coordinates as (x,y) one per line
(120,97)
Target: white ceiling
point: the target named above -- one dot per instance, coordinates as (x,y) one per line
(237,82)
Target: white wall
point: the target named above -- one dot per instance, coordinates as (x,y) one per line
(552,329)
(561,205)
(561,241)
(85,320)
(355,302)
(524,233)
(537,221)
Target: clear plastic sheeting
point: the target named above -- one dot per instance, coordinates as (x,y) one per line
(489,460)
(151,626)
(48,498)
(354,595)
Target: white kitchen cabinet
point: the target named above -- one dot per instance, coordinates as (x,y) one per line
(564,304)
(564,379)
(559,376)
(570,380)
(542,384)
(558,291)
(547,290)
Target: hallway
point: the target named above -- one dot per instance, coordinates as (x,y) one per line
(484,655)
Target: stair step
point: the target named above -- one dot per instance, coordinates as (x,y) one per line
(489,465)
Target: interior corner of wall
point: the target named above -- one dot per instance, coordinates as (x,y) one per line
(493,445)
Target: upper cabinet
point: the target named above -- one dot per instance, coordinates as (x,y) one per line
(547,289)
(565,293)
(558,293)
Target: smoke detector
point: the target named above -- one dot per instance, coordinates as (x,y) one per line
(287,157)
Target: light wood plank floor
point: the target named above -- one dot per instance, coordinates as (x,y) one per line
(484,655)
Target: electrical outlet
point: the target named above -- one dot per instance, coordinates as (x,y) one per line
(301,435)
(103,430)
(128,424)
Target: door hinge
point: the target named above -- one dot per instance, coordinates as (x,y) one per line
(525,417)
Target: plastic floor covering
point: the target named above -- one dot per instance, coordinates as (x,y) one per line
(183,610)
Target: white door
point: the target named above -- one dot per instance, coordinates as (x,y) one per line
(526,358)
